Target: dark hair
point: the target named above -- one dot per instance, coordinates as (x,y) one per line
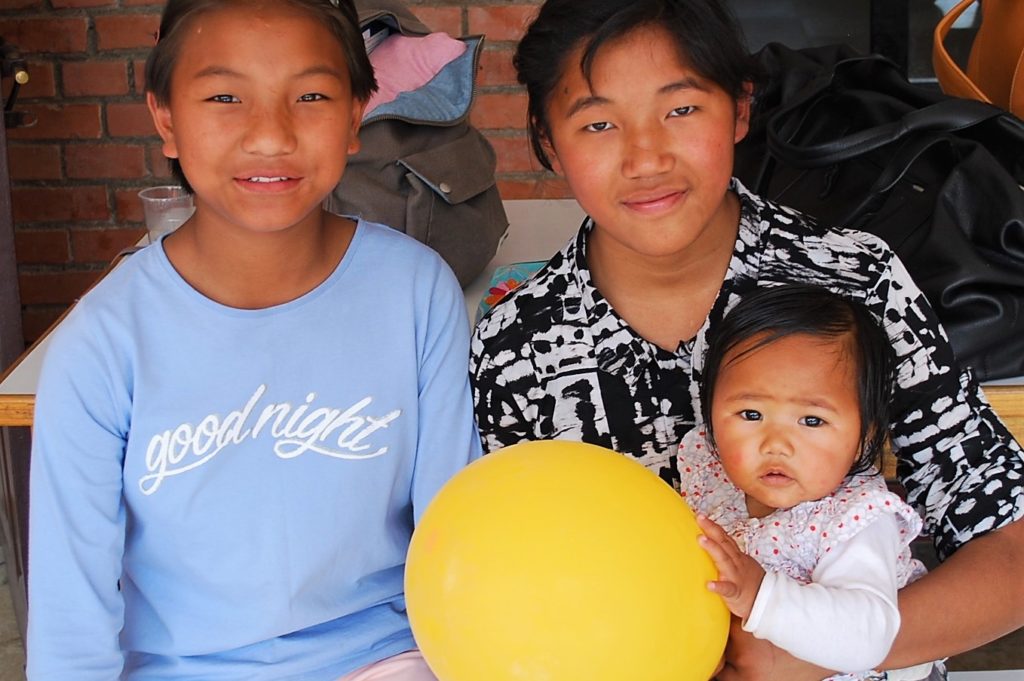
(771,314)
(706,34)
(338,16)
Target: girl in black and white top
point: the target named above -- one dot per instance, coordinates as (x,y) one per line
(638,104)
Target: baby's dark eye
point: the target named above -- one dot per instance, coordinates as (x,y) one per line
(750,415)
(224,99)
(812,421)
(600,126)
(312,97)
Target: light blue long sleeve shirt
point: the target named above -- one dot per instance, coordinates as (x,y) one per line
(223,494)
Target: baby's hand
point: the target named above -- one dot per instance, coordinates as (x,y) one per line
(739,575)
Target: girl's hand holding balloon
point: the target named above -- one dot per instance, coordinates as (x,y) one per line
(739,575)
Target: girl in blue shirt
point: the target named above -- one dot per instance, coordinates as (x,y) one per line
(237,429)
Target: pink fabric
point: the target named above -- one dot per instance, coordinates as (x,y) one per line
(402,63)
(407,666)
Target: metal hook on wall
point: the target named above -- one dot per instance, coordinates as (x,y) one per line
(12,65)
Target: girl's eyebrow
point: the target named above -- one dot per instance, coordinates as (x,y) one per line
(212,71)
(585,103)
(688,83)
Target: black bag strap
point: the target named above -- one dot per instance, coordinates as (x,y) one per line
(946,116)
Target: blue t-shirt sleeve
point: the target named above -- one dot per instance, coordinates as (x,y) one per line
(76,514)
(447,437)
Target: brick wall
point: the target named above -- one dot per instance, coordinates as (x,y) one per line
(76,172)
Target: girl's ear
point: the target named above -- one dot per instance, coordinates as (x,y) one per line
(743,105)
(549,151)
(358,109)
(162,120)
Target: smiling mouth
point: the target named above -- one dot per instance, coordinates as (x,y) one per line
(266,180)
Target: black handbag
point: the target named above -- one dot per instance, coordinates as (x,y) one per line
(845,138)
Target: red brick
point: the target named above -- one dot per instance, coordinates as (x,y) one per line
(128,206)
(46,34)
(41,83)
(34,162)
(130,119)
(101,245)
(72,4)
(158,163)
(499,110)
(496,68)
(501,22)
(543,188)
(55,288)
(126,31)
(84,78)
(139,67)
(446,19)
(42,246)
(140,3)
(22,4)
(514,154)
(96,161)
(36,320)
(72,121)
(55,204)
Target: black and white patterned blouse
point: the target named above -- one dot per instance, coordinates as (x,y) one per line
(554,361)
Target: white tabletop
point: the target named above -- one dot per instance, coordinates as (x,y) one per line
(1003,675)
(22,379)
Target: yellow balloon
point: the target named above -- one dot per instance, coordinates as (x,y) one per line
(562,561)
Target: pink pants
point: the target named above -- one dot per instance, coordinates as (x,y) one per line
(407,666)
